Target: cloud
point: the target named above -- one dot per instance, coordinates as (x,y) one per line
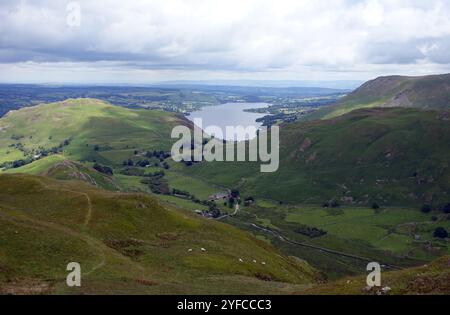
(215,36)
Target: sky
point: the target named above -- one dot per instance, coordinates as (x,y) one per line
(143,42)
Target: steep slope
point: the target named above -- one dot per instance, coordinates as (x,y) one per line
(432,279)
(426,92)
(84,130)
(389,156)
(127,243)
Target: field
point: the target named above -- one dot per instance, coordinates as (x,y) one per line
(397,237)
(394,236)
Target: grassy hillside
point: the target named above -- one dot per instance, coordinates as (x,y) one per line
(56,166)
(389,156)
(431,279)
(427,92)
(84,130)
(395,157)
(127,243)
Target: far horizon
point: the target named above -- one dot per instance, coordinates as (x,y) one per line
(338,84)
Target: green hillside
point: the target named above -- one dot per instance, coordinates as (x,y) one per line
(389,156)
(394,157)
(431,279)
(127,243)
(83,130)
(426,92)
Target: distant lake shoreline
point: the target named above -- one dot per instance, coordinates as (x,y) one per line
(230,114)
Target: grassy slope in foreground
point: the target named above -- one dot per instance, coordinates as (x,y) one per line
(127,243)
(389,156)
(426,92)
(97,131)
(429,279)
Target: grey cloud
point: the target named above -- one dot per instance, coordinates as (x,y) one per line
(256,35)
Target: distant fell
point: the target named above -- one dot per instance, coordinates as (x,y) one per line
(423,92)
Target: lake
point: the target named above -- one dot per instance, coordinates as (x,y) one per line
(230,114)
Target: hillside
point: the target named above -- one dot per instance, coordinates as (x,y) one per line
(426,92)
(431,279)
(396,158)
(389,156)
(127,243)
(58,167)
(83,130)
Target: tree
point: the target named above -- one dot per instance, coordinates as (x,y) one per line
(143,163)
(103,169)
(335,204)
(440,232)
(426,209)
(446,208)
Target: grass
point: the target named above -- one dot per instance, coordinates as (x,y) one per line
(194,186)
(368,156)
(89,123)
(127,243)
(39,166)
(395,157)
(431,279)
(380,230)
(428,92)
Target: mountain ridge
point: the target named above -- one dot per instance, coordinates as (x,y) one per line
(422,92)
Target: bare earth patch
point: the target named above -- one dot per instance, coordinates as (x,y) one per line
(25,287)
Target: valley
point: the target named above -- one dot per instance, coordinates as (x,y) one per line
(224,155)
(350,190)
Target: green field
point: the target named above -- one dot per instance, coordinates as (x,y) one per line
(387,235)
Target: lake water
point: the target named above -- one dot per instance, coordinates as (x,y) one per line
(230,114)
